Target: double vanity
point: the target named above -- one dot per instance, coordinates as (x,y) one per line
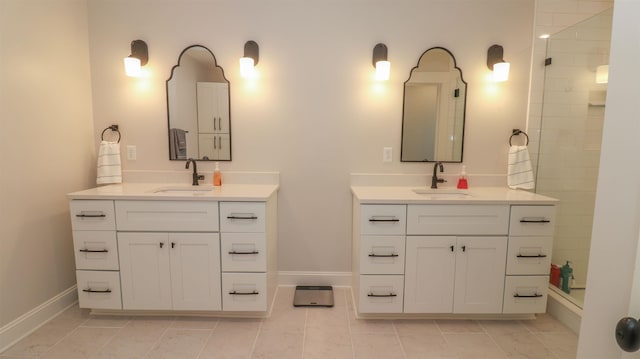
(162,248)
(455,253)
(152,247)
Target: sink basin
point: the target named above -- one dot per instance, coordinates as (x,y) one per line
(442,193)
(184,190)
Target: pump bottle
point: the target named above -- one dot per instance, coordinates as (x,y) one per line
(462,181)
(217,176)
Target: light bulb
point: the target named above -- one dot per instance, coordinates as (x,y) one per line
(132,66)
(383,69)
(501,71)
(247,69)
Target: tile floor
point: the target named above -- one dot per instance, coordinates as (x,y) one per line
(290,332)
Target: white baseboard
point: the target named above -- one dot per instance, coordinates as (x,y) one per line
(336,279)
(36,317)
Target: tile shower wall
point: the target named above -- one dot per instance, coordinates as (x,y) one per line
(569,149)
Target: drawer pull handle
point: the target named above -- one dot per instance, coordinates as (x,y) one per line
(85,215)
(161,244)
(534,256)
(252,252)
(233,292)
(89,290)
(382,295)
(528,296)
(464,248)
(94,250)
(241,217)
(451,247)
(535,221)
(384,220)
(384,255)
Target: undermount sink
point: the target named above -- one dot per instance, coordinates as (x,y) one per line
(194,190)
(435,193)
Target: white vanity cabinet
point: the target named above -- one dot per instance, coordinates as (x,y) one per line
(488,255)
(455,258)
(529,258)
(170,271)
(166,253)
(96,254)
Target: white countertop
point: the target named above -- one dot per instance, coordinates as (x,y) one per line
(149,191)
(476,195)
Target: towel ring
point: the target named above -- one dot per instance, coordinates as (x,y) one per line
(518,132)
(113,128)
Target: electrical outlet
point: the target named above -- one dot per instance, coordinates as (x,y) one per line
(131,152)
(387,154)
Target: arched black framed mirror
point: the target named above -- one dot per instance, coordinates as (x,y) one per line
(433,109)
(198,108)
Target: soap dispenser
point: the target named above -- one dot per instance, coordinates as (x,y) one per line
(217,176)
(566,273)
(462,181)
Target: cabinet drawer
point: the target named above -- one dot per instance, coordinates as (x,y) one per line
(525,294)
(96,250)
(99,289)
(529,255)
(383,219)
(457,219)
(92,215)
(174,216)
(382,255)
(532,220)
(243,252)
(381,293)
(244,292)
(242,217)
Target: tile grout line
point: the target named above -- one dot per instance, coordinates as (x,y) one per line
(506,355)
(255,340)
(108,341)
(539,339)
(304,331)
(395,330)
(347,299)
(146,355)
(61,339)
(208,338)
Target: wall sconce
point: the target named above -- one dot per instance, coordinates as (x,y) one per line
(602,74)
(249,60)
(139,57)
(496,63)
(380,62)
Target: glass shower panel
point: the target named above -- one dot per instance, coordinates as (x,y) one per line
(570,137)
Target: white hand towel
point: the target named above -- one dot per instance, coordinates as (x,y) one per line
(520,171)
(109,168)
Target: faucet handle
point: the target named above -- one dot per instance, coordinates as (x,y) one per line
(200,177)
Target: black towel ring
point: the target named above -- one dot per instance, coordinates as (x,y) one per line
(113,128)
(519,132)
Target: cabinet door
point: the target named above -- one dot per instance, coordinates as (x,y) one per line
(429,274)
(207,107)
(195,271)
(144,270)
(480,274)
(222,96)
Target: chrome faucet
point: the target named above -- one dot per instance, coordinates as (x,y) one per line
(196,176)
(434,179)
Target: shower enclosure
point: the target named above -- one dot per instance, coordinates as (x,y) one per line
(570,137)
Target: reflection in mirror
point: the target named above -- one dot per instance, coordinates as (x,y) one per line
(198,108)
(434,109)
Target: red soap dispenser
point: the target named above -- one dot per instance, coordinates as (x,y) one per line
(462,181)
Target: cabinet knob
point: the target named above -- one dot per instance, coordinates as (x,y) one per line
(161,244)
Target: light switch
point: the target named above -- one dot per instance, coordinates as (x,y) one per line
(131,152)
(387,154)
